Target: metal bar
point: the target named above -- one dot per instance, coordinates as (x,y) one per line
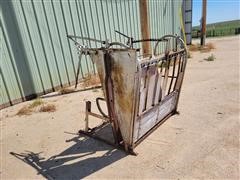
(88,110)
(183,73)
(173,72)
(78,69)
(98,116)
(118,146)
(164,87)
(155,86)
(146,85)
(87,38)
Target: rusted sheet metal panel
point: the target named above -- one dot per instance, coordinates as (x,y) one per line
(123,69)
(123,76)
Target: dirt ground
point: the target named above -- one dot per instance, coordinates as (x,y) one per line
(201,142)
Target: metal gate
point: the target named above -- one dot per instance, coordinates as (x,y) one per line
(141,91)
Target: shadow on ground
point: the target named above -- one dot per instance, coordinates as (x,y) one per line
(76,162)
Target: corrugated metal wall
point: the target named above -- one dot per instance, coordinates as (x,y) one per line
(36,57)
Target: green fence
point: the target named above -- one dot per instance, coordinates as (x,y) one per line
(37,58)
(219,29)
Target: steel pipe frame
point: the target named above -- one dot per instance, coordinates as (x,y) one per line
(112,120)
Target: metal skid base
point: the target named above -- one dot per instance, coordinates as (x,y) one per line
(94,132)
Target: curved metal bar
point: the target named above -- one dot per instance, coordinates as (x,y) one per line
(178,38)
(99,107)
(170,36)
(117,43)
(164,38)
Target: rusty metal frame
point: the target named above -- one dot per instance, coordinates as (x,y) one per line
(177,54)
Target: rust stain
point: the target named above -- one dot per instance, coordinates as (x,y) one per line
(123,97)
(100,74)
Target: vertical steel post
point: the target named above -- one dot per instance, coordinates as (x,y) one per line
(88,110)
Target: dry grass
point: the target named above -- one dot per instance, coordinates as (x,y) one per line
(47,108)
(65,90)
(210,58)
(194,47)
(207,48)
(38,105)
(91,80)
(189,55)
(25,110)
(197,47)
(35,103)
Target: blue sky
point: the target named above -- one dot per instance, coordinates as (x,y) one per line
(217,10)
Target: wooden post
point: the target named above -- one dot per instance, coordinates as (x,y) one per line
(204,15)
(146,46)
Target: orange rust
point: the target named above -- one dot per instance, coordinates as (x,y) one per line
(123,97)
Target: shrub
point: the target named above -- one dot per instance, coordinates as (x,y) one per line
(25,110)
(65,90)
(210,58)
(48,108)
(36,102)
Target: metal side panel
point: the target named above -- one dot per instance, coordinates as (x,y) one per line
(167,106)
(152,117)
(124,67)
(146,122)
(98,59)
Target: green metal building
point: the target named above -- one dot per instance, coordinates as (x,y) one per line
(37,58)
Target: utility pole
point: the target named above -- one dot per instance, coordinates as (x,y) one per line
(146,46)
(203,22)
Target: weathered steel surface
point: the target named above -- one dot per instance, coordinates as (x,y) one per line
(140,92)
(123,67)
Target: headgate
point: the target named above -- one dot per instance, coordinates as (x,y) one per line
(141,92)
